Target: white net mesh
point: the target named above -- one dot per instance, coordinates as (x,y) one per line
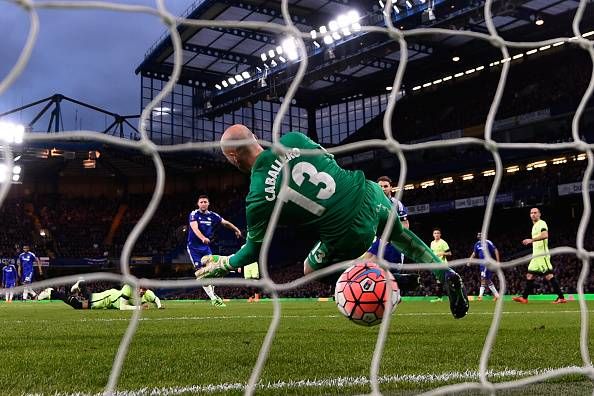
(390,143)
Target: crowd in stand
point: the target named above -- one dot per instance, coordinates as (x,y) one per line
(537,185)
(77,227)
(559,81)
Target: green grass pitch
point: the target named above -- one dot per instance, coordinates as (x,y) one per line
(193,348)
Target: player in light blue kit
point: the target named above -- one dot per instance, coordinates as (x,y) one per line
(201,230)
(26,261)
(9,279)
(486,275)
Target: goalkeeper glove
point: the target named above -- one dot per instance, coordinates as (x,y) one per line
(215,266)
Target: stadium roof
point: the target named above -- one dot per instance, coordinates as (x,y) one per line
(353,64)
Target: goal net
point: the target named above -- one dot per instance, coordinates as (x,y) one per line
(399,150)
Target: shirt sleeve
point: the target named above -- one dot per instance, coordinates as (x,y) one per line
(543,226)
(402,211)
(247,254)
(192,216)
(445,245)
(218,218)
(374,246)
(491,247)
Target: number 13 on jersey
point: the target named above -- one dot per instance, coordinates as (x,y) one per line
(320,179)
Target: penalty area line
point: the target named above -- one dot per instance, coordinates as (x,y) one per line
(236,317)
(338,382)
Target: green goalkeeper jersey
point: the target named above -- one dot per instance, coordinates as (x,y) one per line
(321,195)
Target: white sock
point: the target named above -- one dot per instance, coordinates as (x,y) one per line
(25,294)
(6,296)
(10,296)
(493,290)
(210,291)
(481,291)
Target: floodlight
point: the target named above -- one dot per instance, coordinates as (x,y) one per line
(290,48)
(11,133)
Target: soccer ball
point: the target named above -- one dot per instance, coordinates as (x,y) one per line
(362,296)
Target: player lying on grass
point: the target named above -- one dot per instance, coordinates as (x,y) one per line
(80,298)
(346,210)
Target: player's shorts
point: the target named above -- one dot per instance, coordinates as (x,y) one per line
(485,273)
(251,271)
(356,239)
(196,255)
(391,254)
(540,266)
(27,278)
(9,285)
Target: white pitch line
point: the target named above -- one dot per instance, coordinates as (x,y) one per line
(335,383)
(235,317)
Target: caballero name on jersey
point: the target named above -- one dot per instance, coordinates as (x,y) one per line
(274,171)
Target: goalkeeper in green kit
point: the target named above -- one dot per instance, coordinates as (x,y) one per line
(345,209)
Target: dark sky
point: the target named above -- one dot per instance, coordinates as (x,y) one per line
(89,55)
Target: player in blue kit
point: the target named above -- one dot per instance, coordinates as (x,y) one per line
(391,254)
(26,261)
(201,230)
(486,275)
(9,279)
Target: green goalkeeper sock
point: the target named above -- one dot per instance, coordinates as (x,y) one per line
(413,247)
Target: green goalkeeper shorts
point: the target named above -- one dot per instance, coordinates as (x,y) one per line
(540,265)
(251,271)
(356,239)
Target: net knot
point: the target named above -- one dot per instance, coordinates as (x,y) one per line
(582,255)
(168,19)
(584,43)
(582,146)
(395,34)
(497,41)
(26,4)
(491,145)
(147,146)
(392,145)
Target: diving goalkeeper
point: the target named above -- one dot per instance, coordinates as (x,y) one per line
(345,209)
(122,299)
